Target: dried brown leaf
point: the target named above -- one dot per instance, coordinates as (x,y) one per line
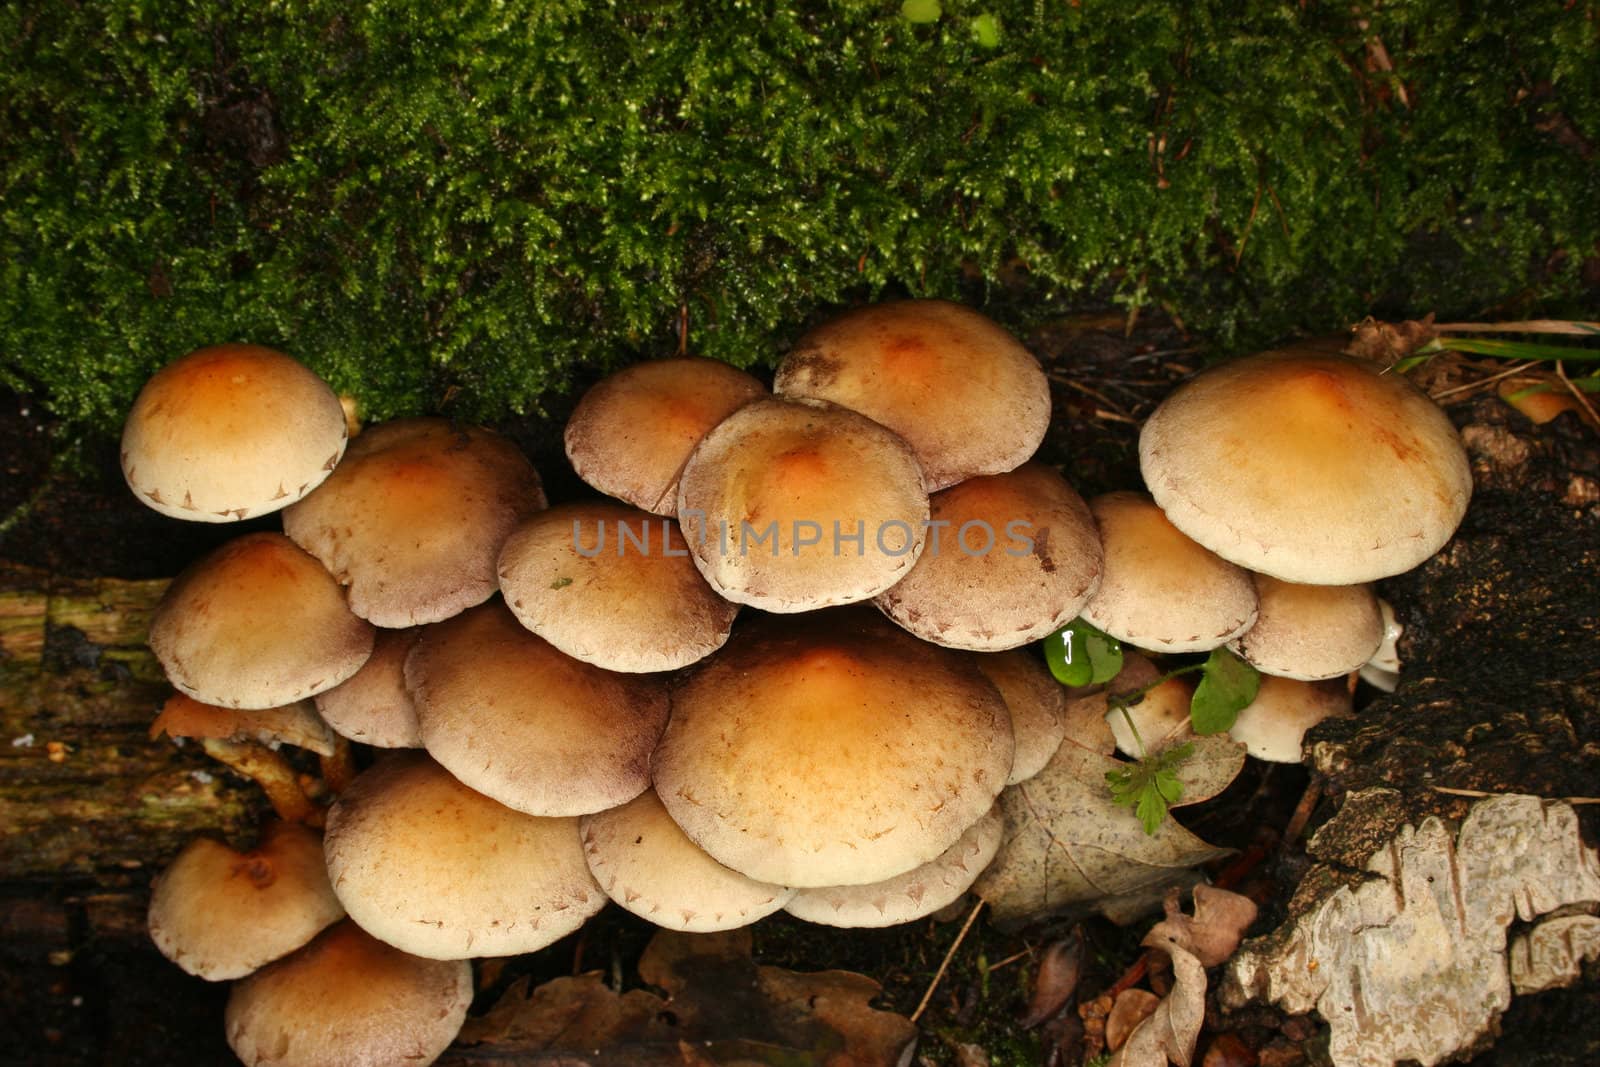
(1132,1007)
(1060,966)
(1173,1028)
(1217,926)
(1068,843)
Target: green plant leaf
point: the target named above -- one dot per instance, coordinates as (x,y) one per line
(986,30)
(1227,684)
(1079,655)
(1150,786)
(921,11)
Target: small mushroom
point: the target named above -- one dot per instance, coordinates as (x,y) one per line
(1311,632)
(348,998)
(230,432)
(1382,671)
(1153,722)
(373,705)
(1272,726)
(221,914)
(1036,702)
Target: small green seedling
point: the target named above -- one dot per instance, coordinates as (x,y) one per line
(1150,786)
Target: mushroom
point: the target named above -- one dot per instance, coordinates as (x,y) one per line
(918,892)
(438,870)
(1086,712)
(612,586)
(631,434)
(1382,670)
(221,914)
(1156,720)
(230,432)
(255,624)
(519,720)
(1036,702)
(831,748)
(792,505)
(373,705)
(1311,632)
(413,519)
(1160,590)
(969,398)
(1311,468)
(649,866)
(347,998)
(1010,558)
(1273,725)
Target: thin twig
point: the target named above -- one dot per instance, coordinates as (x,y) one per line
(1114,407)
(1559,326)
(1481,382)
(1582,398)
(948,956)
(1302,813)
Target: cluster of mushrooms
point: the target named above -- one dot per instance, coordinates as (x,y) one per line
(586,718)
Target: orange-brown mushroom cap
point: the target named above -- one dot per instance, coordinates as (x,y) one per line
(1311,468)
(349,999)
(373,705)
(519,720)
(230,432)
(831,749)
(1010,558)
(222,914)
(413,519)
(631,434)
(256,624)
(969,398)
(792,505)
(439,870)
(1311,632)
(612,586)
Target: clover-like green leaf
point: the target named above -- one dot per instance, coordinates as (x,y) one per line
(1079,655)
(1227,684)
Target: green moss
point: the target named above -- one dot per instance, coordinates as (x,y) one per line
(453,205)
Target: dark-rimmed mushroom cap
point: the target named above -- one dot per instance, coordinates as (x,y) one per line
(519,720)
(964,392)
(373,705)
(255,624)
(221,914)
(350,999)
(1311,468)
(1009,559)
(793,505)
(831,749)
(439,870)
(613,586)
(919,892)
(649,866)
(631,434)
(413,520)
(1160,590)
(1311,632)
(230,432)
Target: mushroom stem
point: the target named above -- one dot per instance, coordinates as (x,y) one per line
(338,769)
(271,772)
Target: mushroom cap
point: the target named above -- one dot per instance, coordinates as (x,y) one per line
(1161,716)
(1037,703)
(1160,590)
(1311,632)
(805,473)
(257,623)
(1087,708)
(413,519)
(439,870)
(221,914)
(519,720)
(1311,468)
(1010,559)
(349,999)
(918,892)
(964,392)
(373,705)
(1273,725)
(631,434)
(296,724)
(612,586)
(230,432)
(649,866)
(831,749)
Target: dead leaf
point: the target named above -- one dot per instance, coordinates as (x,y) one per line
(1217,926)
(1057,981)
(720,1008)
(1173,1028)
(1389,342)
(1067,843)
(1132,1007)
